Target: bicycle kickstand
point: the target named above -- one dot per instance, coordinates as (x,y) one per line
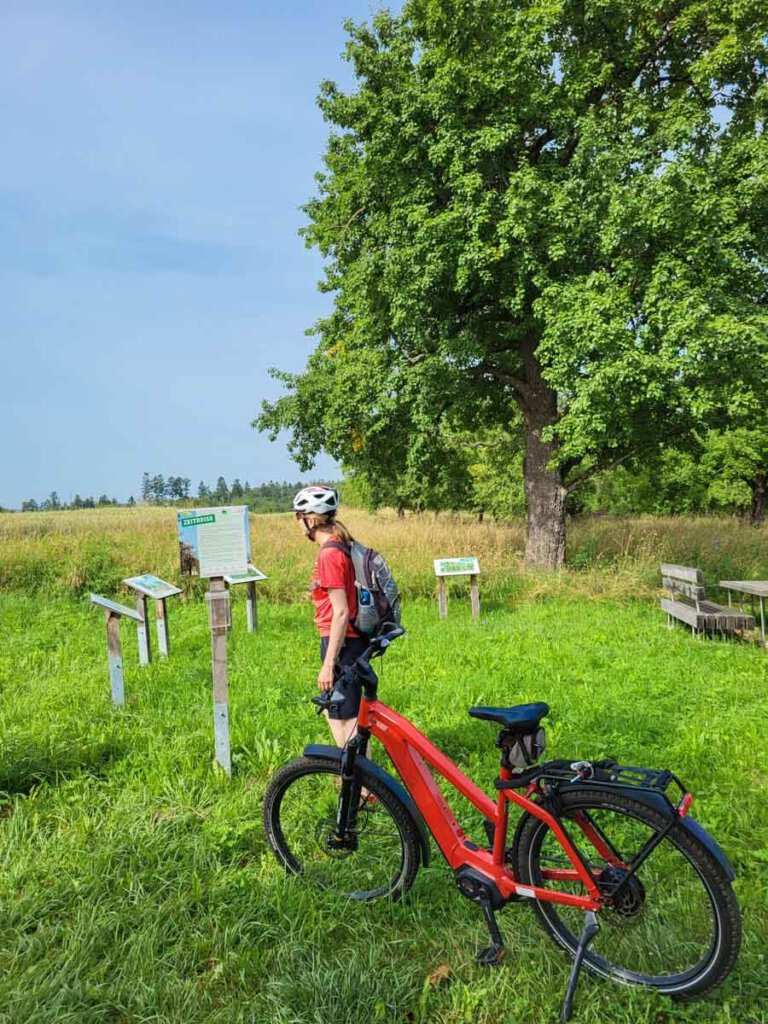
(590,930)
(492,955)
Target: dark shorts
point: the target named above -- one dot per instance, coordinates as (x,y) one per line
(353,647)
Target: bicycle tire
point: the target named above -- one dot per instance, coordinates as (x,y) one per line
(675,903)
(299,815)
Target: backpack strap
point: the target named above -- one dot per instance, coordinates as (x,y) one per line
(339,545)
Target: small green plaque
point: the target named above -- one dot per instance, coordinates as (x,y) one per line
(463,566)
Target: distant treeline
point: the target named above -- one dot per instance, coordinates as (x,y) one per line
(53,503)
(273,496)
(157,489)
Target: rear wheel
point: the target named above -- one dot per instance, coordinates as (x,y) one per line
(676,925)
(380,857)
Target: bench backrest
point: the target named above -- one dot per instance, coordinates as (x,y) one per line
(683,579)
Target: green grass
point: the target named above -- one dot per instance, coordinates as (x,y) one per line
(136,885)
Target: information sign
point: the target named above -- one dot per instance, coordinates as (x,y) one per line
(214,541)
(152,586)
(251,575)
(465,566)
(115,608)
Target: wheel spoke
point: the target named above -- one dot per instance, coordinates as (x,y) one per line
(662,928)
(368,864)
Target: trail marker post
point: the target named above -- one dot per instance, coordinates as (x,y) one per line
(142,626)
(220,621)
(113,612)
(464,566)
(250,578)
(215,542)
(160,590)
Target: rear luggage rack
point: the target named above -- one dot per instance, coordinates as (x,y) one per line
(608,774)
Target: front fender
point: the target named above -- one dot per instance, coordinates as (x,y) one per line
(397,789)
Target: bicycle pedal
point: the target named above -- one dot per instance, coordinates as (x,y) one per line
(491,956)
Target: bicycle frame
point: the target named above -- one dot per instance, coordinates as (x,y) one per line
(411,753)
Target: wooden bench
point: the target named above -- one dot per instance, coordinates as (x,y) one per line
(689,603)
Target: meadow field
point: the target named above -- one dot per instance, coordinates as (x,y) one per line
(136,884)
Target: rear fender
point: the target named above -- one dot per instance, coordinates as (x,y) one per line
(710,844)
(329,753)
(660,803)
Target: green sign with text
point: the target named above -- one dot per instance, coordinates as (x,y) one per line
(464,566)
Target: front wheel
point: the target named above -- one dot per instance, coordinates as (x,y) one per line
(381,855)
(675,926)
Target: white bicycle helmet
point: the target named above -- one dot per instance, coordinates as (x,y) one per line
(316,499)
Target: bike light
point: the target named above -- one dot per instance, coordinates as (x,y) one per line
(684,805)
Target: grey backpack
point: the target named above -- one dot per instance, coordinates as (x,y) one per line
(378,599)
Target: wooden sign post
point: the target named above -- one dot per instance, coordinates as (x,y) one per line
(216,542)
(160,590)
(220,621)
(145,641)
(464,566)
(250,578)
(113,612)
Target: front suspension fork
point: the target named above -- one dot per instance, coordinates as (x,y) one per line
(349,794)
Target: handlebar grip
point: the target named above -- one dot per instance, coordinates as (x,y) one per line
(325,700)
(385,639)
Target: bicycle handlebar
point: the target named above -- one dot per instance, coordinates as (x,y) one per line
(380,643)
(361,666)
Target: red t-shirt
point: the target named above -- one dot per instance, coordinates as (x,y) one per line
(333,570)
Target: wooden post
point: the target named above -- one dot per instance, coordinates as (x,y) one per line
(114,612)
(442,597)
(250,607)
(250,578)
(474,597)
(146,586)
(219,621)
(115,657)
(145,643)
(163,638)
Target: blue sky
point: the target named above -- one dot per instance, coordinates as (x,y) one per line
(154,159)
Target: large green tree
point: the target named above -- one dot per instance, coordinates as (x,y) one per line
(552,210)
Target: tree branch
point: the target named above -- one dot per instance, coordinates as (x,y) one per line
(484,370)
(597,468)
(347,226)
(458,440)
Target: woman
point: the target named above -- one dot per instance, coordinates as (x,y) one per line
(335,598)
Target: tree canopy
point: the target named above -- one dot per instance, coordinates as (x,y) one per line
(543,218)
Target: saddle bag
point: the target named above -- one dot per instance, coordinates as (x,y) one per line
(521,750)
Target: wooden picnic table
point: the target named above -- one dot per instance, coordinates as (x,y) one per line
(755,588)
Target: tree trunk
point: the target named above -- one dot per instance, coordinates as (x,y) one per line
(544,490)
(759,494)
(545,498)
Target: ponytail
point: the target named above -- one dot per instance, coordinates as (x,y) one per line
(327,523)
(341,533)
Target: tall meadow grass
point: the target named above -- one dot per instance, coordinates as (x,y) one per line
(72,553)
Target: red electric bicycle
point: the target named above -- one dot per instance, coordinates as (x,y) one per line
(615,869)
